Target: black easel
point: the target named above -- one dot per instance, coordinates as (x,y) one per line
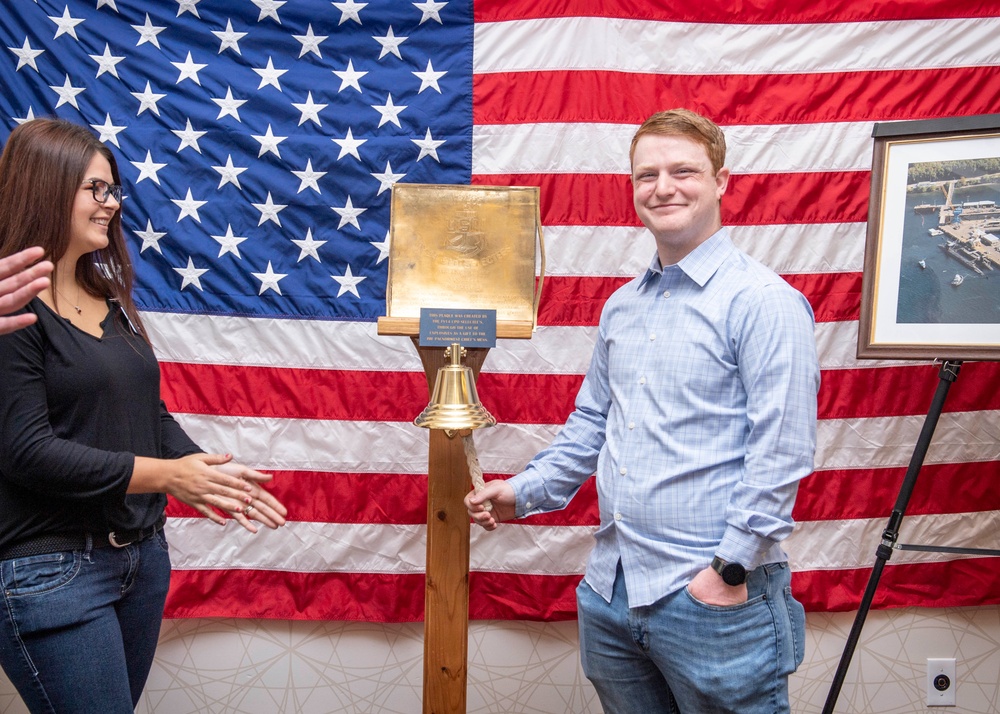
(947,375)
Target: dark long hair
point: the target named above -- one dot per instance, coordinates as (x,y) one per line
(41,169)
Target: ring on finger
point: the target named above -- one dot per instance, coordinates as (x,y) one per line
(247,509)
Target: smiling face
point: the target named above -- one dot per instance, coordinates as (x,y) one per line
(676,193)
(89,219)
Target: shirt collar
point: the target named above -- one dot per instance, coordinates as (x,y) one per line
(701,263)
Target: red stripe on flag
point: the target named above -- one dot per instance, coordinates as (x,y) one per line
(871,493)
(905,390)
(751,199)
(973,582)
(286,595)
(733,11)
(734,99)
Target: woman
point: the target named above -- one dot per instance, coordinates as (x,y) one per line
(87,449)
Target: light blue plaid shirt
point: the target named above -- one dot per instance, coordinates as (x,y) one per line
(698,415)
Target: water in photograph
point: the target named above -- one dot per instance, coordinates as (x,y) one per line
(926,295)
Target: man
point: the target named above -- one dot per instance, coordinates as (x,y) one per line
(18,284)
(698,415)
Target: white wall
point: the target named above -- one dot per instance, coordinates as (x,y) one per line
(267,667)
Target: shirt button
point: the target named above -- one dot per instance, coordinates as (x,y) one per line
(666,293)
(527,505)
(631,425)
(618,516)
(623,470)
(652,337)
(642,380)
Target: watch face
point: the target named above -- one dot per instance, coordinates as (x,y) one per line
(734,574)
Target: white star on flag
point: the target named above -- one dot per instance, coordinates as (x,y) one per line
(189,207)
(188,70)
(26,55)
(429,78)
(107,62)
(348,214)
(268,142)
(308,178)
(148,33)
(269,280)
(66,24)
(229,243)
(383,248)
(310,42)
(188,6)
(350,10)
(310,110)
(228,39)
(269,210)
(67,93)
(349,77)
(151,239)
(147,100)
(269,75)
(148,168)
(349,145)
(228,106)
(27,117)
(430,10)
(348,282)
(109,3)
(269,8)
(230,173)
(428,146)
(389,111)
(390,43)
(188,137)
(108,131)
(387,178)
(309,247)
(191,275)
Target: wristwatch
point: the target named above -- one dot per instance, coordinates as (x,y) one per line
(732,573)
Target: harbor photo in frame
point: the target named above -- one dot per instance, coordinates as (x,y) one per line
(931,282)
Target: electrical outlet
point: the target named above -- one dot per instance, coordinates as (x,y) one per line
(941,682)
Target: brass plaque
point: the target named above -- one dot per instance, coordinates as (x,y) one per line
(463,247)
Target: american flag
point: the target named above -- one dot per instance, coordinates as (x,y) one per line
(259,140)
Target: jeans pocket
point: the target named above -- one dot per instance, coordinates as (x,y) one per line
(39,574)
(797,618)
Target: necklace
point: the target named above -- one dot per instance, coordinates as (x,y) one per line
(79,310)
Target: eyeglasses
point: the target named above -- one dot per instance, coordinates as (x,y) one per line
(103,189)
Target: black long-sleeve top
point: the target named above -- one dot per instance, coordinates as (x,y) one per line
(75,411)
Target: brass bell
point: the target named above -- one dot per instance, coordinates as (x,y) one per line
(454,402)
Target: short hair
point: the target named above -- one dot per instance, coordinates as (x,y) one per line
(41,170)
(684,122)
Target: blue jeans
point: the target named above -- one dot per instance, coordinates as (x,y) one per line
(79,628)
(681,656)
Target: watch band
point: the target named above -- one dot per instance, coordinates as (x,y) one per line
(732,573)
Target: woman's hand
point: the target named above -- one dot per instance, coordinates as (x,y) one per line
(210,483)
(260,505)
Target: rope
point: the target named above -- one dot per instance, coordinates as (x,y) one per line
(475,470)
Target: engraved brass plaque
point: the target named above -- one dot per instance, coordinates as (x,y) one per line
(463,247)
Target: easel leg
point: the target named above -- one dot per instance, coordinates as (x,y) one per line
(947,375)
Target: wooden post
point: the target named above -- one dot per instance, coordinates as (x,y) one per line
(446,594)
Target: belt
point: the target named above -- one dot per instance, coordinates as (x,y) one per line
(54,543)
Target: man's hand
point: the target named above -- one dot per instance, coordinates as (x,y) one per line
(709,587)
(500,493)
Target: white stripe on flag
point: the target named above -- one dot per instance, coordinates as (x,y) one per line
(587,43)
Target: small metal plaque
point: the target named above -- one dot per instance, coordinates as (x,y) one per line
(469,328)
(463,247)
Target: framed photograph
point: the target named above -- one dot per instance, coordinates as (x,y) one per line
(931,282)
